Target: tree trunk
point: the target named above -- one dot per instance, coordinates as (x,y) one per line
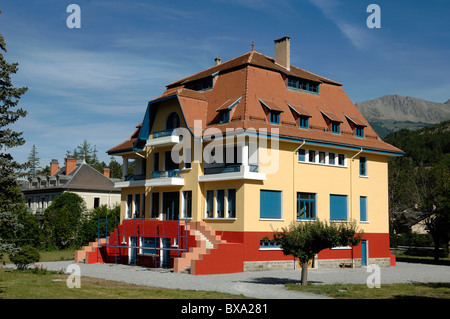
(304,273)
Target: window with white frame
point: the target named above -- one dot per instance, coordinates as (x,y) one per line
(220,203)
(321,157)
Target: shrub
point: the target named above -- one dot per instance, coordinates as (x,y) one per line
(27,255)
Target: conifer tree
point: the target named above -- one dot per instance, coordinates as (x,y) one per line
(10,195)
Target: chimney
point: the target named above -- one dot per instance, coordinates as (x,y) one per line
(283,52)
(54,167)
(71,163)
(106,172)
(217,61)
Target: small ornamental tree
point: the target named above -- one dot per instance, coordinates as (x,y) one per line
(305,240)
(25,256)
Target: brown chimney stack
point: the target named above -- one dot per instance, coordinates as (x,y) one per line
(106,172)
(283,52)
(54,167)
(71,163)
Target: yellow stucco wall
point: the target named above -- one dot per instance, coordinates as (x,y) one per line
(290,178)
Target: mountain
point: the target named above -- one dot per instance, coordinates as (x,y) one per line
(390,113)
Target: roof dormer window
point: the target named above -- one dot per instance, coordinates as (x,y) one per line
(201,85)
(302,84)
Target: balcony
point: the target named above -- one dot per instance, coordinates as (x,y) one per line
(232,172)
(163,138)
(159,178)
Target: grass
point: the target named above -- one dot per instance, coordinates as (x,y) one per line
(28,284)
(391,291)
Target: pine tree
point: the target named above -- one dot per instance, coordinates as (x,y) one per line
(33,162)
(9,99)
(10,195)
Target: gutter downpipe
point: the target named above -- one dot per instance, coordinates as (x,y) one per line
(351,189)
(293,184)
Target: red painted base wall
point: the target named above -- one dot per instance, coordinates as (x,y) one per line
(378,247)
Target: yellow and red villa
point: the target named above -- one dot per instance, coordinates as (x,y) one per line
(228,155)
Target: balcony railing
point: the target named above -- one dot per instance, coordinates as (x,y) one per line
(135,177)
(230,169)
(163,133)
(165,174)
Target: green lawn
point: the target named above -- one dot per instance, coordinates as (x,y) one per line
(391,291)
(15,284)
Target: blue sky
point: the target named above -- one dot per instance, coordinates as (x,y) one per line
(93,83)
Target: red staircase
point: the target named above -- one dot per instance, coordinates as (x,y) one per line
(208,252)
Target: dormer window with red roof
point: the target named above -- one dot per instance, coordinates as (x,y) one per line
(357,125)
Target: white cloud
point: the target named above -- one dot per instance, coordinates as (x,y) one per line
(355,32)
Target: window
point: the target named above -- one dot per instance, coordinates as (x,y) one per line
(268,244)
(224,116)
(96,202)
(331,157)
(362,166)
(231,201)
(173,121)
(170,165)
(187,204)
(156,162)
(359,131)
(312,156)
(155,205)
(303,122)
(270,204)
(341,159)
(202,84)
(302,84)
(209,204)
(137,206)
(220,203)
(338,207)
(129,205)
(301,155)
(322,157)
(306,206)
(274,117)
(335,127)
(363,208)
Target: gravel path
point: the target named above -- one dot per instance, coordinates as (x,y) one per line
(260,284)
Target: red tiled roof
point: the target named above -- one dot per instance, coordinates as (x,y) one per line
(257,78)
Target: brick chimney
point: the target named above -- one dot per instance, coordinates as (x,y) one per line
(106,172)
(283,52)
(71,163)
(54,167)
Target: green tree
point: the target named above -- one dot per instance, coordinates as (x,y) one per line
(98,224)
(10,196)
(33,162)
(305,240)
(25,256)
(62,220)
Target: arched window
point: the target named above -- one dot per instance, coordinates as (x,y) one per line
(173,121)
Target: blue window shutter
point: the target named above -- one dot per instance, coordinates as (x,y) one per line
(363,208)
(301,155)
(270,204)
(338,207)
